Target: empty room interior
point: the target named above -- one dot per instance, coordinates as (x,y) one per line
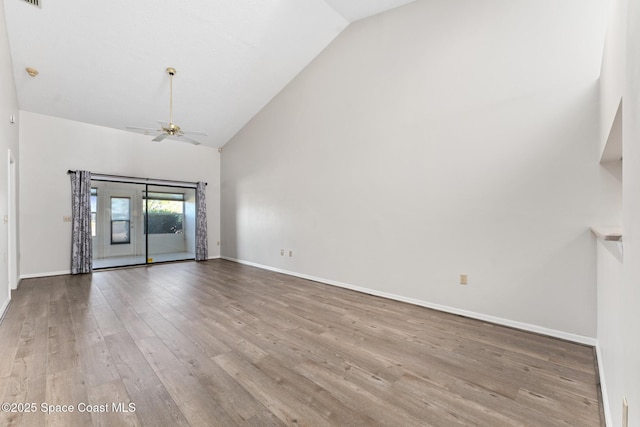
(320,212)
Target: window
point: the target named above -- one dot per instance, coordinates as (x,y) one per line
(165,213)
(120,220)
(94,211)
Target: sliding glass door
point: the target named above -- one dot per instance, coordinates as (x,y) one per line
(135,224)
(170,219)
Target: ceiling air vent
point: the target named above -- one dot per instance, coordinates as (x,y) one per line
(33,2)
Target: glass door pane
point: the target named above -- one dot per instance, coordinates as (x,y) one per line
(170,223)
(117,224)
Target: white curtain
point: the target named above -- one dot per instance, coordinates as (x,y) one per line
(81,244)
(202,245)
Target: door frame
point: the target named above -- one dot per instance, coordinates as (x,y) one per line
(11,220)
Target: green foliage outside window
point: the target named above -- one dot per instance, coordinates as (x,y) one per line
(164,223)
(164,216)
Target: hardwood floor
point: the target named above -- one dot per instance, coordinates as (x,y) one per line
(222,344)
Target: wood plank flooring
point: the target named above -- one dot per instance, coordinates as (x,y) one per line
(222,344)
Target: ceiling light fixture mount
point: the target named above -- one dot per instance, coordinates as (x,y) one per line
(32,71)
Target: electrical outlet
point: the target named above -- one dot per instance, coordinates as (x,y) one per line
(218,242)
(66,219)
(625,412)
(281,252)
(463,279)
(290,254)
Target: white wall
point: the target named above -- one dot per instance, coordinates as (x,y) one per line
(610,329)
(630,373)
(610,259)
(618,291)
(440,138)
(613,63)
(50,146)
(8,141)
(166,243)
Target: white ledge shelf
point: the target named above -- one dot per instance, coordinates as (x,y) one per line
(609,234)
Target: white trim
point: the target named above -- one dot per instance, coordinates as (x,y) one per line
(214,257)
(12,215)
(603,387)
(472,314)
(51,273)
(4,308)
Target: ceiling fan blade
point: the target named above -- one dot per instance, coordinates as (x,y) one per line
(189,140)
(194,132)
(145,131)
(137,128)
(160,137)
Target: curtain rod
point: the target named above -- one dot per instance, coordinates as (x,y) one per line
(167,181)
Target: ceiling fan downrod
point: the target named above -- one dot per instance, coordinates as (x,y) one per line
(172,71)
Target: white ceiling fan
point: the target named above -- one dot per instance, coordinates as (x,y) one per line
(169,130)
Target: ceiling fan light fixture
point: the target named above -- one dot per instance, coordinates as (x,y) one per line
(170,129)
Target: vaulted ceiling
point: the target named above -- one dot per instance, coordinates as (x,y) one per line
(105,62)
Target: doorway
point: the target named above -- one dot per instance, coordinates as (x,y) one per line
(137,224)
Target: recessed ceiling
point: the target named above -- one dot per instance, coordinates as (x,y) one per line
(104,62)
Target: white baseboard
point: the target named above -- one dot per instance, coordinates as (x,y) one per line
(214,257)
(3,308)
(466,313)
(50,273)
(603,388)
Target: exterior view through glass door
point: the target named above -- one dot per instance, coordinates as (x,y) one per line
(170,223)
(136,224)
